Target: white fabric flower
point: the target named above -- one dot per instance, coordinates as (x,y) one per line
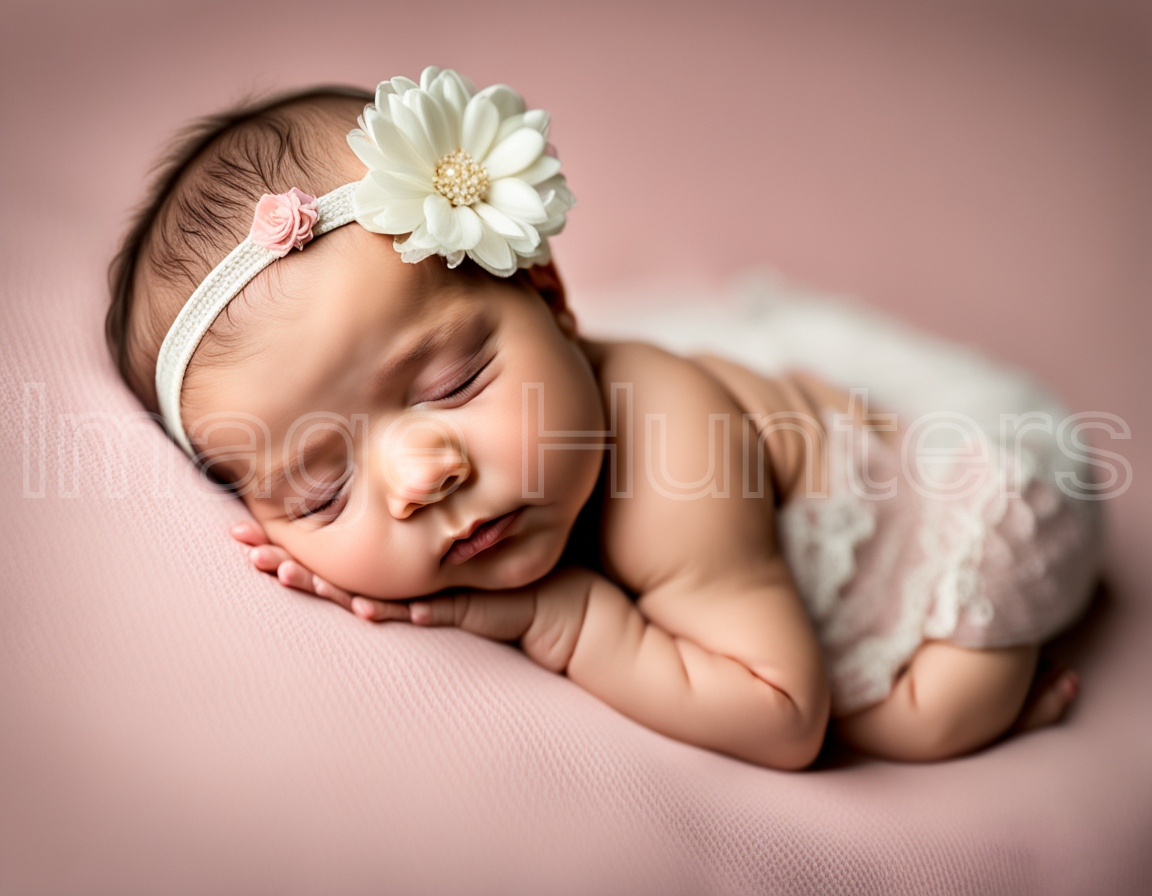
(460,172)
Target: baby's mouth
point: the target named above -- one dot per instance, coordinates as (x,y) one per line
(483,537)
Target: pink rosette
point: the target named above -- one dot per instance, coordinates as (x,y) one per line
(284,221)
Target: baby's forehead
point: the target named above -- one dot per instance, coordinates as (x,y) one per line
(350,341)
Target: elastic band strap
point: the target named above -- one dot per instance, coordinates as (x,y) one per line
(217,290)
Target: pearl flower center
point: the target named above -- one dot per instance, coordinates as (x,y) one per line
(459,179)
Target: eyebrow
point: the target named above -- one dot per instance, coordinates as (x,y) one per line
(473,324)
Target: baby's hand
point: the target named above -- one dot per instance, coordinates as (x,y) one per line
(276,561)
(545,617)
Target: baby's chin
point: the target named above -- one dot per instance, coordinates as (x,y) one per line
(521,564)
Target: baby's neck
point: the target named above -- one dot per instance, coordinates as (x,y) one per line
(583,547)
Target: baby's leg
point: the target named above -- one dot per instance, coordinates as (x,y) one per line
(949,701)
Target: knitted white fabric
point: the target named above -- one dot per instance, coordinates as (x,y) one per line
(217,289)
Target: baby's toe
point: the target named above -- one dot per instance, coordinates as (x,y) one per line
(1052,702)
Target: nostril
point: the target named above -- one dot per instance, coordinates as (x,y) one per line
(446,484)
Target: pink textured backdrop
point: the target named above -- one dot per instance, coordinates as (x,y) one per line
(171,723)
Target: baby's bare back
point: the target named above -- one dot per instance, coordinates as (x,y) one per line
(673,413)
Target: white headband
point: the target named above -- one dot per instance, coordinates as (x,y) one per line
(458,172)
(218,289)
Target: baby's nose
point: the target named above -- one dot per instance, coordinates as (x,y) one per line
(423,459)
(420,480)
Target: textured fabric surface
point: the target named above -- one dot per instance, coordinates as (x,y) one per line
(172,722)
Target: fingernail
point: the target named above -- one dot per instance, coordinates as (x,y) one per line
(256,555)
(239,529)
(361,607)
(419,613)
(284,570)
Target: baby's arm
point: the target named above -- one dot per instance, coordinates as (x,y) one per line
(738,685)
(724,688)
(719,664)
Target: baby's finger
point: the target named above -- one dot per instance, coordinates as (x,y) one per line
(379,610)
(248,533)
(501,616)
(327,590)
(294,575)
(268,557)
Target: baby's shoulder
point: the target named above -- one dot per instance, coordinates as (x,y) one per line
(674,500)
(649,373)
(613,357)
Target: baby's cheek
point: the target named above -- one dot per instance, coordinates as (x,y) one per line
(559,407)
(363,561)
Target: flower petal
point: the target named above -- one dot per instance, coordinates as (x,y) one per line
(526,245)
(428,76)
(442,224)
(396,185)
(542,255)
(402,85)
(383,90)
(515,154)
(494,254)
(413,248)
(506,100)
(395,145)
(453,92)
(517,200)
(508,127)
(499,221)
(366,150)
(557,201)
(432,117)
(471,229)
(540,170)
(412,128)
(480,122)
(539,120)
(381,214)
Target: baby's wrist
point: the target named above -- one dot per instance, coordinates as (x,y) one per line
(561,601)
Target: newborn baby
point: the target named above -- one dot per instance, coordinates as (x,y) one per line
(421,433)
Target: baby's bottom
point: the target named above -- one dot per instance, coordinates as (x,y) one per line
(949,701)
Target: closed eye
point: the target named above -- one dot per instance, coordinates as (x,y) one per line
(467,388)
(329,509)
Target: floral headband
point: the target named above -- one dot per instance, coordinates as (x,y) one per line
(460,172)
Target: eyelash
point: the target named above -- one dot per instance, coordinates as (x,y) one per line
(463,388)
(313,511)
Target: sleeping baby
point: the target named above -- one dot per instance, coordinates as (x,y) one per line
(421,433)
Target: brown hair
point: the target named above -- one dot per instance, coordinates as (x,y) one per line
(199,206)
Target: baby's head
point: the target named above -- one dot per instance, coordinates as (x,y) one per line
(371,411)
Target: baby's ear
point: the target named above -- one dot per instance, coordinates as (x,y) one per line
(545,280)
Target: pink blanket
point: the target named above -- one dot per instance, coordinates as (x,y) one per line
(173,722)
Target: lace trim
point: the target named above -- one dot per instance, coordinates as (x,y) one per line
(819,536)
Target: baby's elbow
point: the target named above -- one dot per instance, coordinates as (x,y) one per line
(803,745)
(809,708)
